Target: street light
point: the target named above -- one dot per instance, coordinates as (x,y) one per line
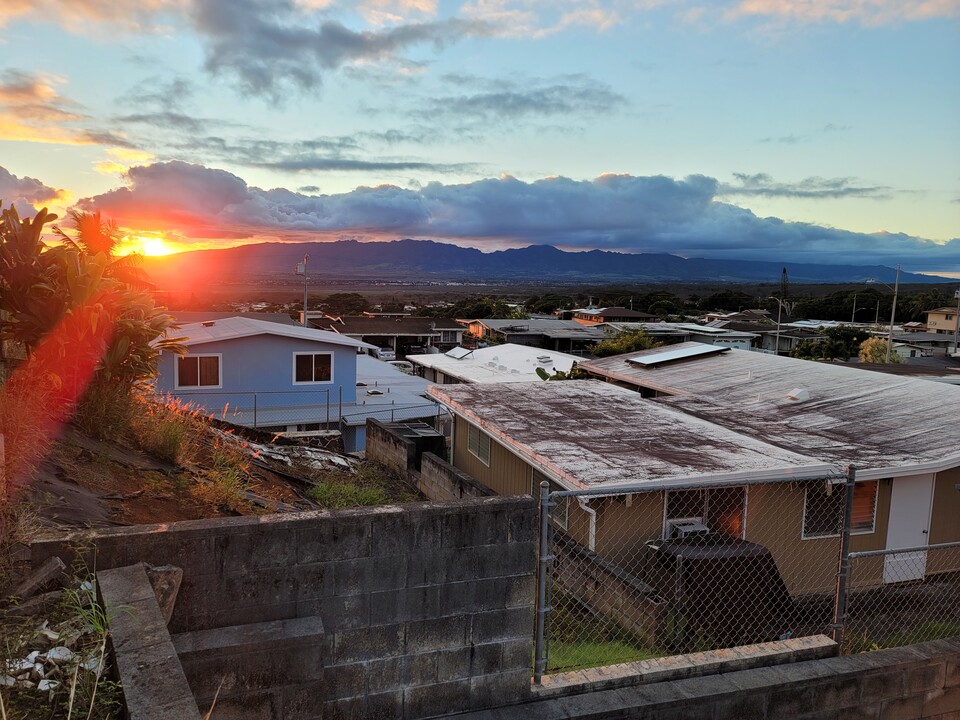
(893,310)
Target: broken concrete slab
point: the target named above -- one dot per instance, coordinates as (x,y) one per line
(48,574)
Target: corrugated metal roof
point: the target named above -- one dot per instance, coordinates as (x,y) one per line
(238,327)
(551,328)
(498,363)
(877,421)
(590,434)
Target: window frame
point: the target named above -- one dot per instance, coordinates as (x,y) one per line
(473,430)
(840,489)
(313,354)
(176,371)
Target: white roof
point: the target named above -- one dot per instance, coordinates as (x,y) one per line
(238,327)
(387,394)
(498,363)
(589,434)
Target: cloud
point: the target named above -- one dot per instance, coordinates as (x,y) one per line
(616,212)
(817,188)
(503,99)
(869,12)
(25,193)
(268,46)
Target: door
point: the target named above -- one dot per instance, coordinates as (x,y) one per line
(909,526)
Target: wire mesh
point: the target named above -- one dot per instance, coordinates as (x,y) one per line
(649,574)
(901,598)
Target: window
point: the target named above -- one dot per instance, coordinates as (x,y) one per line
(560,512)
(720,509)
(448,336)
(312,368)
(478,443)
(195,371)
(823,509)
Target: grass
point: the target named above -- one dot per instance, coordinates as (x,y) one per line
(923,632)
(580,639)
(164,429)
(367,484)
(225,479)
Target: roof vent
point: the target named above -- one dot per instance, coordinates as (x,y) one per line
(374,392)
(208,323)
(544,359)
(798,394)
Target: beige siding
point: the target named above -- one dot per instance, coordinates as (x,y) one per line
(945,522)
(506,475)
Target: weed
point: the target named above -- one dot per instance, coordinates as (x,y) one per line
(164,429)
(366,484)
(225,480)
(105,410)
(335,495)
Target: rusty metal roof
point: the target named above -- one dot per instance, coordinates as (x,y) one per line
(589,434)
(885,424)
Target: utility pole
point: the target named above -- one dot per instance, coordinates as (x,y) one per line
(302,270)
(854,313)
(893,313)
(956,320)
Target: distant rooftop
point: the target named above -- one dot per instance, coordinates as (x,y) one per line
(548,327)
(498,363)
(386,325)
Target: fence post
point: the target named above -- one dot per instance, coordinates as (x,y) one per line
(328,410)
(843,565)
(254,411)
(540,648)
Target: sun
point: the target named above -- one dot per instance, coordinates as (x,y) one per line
(152,245)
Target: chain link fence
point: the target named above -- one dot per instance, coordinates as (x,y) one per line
(902,597)
(638,573)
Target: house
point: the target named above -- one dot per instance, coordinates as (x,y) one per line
(497,363)
(547,333)
(932,343)
(900,433)
(587,435)
(942,320)
(401,333)
(595,316)
(261,373)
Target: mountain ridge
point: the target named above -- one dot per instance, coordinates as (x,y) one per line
(405,258)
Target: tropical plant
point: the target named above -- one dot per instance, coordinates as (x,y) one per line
(626,342)
(874,350)
(574,373)
(91,235)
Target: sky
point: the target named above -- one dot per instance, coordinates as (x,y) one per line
(783,130)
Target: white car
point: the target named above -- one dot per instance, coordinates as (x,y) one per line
(386,354)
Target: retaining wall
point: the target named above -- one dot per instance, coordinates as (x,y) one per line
(399,611)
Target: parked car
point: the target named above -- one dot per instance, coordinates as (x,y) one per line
(386,354)
(403,366)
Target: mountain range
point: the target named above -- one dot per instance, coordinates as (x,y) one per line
(425,259)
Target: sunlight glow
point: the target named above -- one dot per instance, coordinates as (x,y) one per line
(149,245)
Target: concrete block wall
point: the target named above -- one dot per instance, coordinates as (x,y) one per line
(424,608)
(439,480)
(389,449)
(908,683)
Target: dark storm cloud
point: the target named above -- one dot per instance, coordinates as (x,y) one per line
(616,212)
(763,185)
(268,46)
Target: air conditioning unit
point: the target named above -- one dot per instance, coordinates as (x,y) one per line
(686,529)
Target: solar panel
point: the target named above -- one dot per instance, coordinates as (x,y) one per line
(458,353)
(679,354)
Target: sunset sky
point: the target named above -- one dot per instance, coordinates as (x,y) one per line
(794,130)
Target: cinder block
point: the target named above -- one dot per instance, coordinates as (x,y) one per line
(746,706)
(798,699)
(517,654)
(908,708)
(918,680)
(878,686)
(420,669)
(437,634)
(250,706)
(352,577)
(431,700)
(345,681)
(313,579)
(499,689)
(368,643)
(345,612)
(952,672)
(253,670)
(453,664)
(261,548)
(941,701)
(303,702)
(498,625)
(333,539)
(385,675)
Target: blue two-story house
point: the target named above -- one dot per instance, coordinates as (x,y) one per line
(264,374)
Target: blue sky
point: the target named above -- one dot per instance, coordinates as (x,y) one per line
(808,130)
